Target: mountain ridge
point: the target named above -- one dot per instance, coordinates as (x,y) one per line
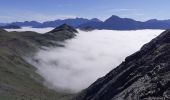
(75,22)
(112,23)
(18,78)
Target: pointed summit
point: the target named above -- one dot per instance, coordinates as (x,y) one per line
(95,20)
(64,27)
(61,33)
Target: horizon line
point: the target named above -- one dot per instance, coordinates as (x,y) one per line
(87,19)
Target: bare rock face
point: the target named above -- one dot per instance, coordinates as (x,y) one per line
(145,75)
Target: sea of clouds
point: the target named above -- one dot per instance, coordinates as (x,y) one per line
(39,30)
(88,56)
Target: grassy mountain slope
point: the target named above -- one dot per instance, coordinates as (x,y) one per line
(18,79)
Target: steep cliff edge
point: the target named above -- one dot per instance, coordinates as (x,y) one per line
(145,75)
(18,79)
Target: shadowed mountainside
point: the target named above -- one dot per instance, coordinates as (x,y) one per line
(142,76)
(18,79)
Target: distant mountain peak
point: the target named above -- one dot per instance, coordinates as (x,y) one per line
(96,20)
(114,16)
(152,20)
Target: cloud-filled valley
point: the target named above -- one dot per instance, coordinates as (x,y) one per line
(39,30)
(88,56)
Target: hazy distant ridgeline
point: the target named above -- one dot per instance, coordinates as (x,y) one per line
(112,23)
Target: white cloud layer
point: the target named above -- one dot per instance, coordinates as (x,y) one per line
(39,30)
(88,57)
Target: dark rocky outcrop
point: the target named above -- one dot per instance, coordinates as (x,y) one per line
(145,75)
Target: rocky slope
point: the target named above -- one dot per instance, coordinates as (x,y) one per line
(18,79)
(145,75)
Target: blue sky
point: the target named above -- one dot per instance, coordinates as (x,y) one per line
(43,10)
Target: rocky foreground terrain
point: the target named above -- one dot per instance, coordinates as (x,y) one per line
(18,79)
(145,75)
